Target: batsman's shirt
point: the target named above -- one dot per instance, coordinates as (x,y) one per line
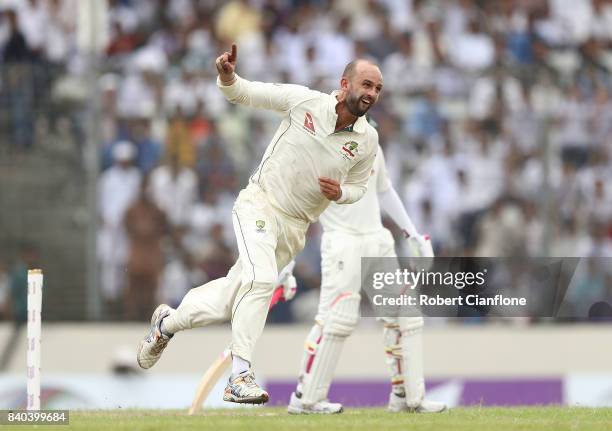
(305,147)
(362,217)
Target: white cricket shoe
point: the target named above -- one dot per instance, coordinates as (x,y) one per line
(398,404)
(151,347)
(244,389)
(324,407)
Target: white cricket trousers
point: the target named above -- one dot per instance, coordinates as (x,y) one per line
(341,255)
(267,241)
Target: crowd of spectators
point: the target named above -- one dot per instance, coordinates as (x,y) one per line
(496,119)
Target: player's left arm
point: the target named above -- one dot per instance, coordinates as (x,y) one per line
(391,203)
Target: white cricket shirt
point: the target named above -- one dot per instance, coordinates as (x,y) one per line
(362,217)
(305,147)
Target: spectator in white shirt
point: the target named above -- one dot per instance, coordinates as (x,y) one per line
(174,189)
(117,190)
(473,50)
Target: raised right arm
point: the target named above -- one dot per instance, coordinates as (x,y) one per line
(277,97)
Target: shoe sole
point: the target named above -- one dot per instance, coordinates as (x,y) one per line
(140,347)
(252,400)
(415,411)
(301,411)
(424,412)
(154,317)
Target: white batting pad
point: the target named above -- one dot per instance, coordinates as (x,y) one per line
(339,324)
(412,347)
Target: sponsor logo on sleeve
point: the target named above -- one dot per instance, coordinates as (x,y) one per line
(309,124)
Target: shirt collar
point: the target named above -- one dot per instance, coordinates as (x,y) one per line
(358,126)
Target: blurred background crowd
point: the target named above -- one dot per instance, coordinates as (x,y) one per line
(495,118)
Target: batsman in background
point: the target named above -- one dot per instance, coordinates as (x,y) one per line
(323,151)
(349,233)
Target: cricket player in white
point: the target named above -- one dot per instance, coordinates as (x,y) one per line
(323,151)
(349,233)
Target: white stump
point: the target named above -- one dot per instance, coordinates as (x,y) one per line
(35,287)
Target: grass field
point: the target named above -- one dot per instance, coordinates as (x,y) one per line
(271,419)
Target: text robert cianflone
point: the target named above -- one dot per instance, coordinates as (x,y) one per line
(412,279)
(469,300)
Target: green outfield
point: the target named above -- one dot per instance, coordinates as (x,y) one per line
(271,419)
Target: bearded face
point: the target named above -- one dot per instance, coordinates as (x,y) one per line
(362,89)
(359,103)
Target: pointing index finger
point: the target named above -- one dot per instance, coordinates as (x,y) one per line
(234,53)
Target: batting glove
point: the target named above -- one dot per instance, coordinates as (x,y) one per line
(420,246)
(286,285)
